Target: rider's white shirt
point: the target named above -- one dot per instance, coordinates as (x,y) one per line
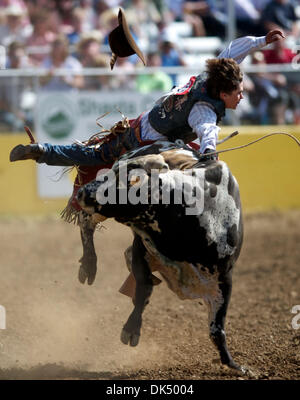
(202,119)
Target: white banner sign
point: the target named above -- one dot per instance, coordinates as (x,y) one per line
(63,117)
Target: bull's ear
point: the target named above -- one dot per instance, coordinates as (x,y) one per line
(137,176)
(135,179)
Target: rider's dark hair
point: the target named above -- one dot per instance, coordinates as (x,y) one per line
(224,75)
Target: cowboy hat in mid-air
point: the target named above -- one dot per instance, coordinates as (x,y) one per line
(121,41)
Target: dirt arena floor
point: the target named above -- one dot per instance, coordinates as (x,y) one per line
(57,328)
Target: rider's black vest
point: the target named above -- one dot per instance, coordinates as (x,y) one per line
(169,116)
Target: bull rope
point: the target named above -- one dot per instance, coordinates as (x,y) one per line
(250,143)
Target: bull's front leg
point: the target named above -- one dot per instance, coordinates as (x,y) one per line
(144,285)
(88,261)
(217,308)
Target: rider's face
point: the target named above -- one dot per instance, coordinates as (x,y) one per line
(232,99)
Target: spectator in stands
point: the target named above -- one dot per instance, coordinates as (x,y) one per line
(39,43)
(20,4)
(59,58)
(16,95)
(247,18)
(270,94)
(207,11)
(170,56)
(17,57)
(8,3)
(89,48)
(101,6)
(107,21)
(90,56)
(176,8)
(280,54)
(102,81)
(76,25)
(260,5)
(144,18)
(89,15)
(122,80)
(36,6)
(160,6)
(112,3)
(65,10)
(280,14)
(13,28)
(158,80)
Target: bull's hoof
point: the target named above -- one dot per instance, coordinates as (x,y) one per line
(239,370)
(87,274)
(249,373)
(131,338)
(235,366)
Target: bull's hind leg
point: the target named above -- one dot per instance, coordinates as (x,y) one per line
(141,271)
(217,307)
(88,261)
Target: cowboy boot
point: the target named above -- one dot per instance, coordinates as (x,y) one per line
(27,152)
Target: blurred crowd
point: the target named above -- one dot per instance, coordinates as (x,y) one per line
(73,35)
